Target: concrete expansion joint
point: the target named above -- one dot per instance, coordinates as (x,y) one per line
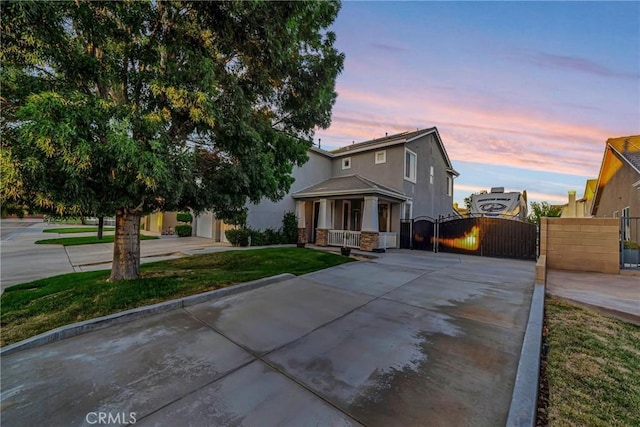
(262,358)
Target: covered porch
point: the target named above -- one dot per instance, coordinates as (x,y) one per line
(350,211)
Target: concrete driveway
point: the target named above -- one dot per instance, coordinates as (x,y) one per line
(411,338)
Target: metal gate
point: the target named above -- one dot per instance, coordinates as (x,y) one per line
(630,242)
(418,233)
(484,236)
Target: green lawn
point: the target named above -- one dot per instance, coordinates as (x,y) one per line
(69,230)
(592,368)
(31,308)
(86,240)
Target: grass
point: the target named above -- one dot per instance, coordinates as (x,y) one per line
(592,368)
(69,230)
(31,308)
(87,240)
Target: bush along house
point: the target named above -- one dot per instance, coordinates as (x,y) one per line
(366,189)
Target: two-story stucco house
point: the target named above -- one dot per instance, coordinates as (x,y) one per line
(365,188)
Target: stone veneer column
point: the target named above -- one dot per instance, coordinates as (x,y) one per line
(302,235)
(322,237)
(369,240)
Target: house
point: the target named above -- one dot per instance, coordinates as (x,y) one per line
(617,191)
(365,189)
(580,208)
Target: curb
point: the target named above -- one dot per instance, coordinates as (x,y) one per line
(80,328)
(524,400)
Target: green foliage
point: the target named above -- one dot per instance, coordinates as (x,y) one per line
(273,237)
(237,217)
(543,209)
(266,237)
(184,217)
(628,244)
(183,230)
(31,308)
(146,105)
(290,228)
(238,237)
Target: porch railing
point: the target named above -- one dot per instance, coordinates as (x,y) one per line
(336,238)
(388,240)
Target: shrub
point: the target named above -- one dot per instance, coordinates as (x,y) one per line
(257,237)
(289,228)
(184,217)
(273,237)
(238,237)
(183,230)
(628,244)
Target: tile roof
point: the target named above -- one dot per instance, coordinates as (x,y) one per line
(398,137)
(629,148)
(348,185)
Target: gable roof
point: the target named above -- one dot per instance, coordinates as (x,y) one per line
(627,149)
(396,139)
(348,185)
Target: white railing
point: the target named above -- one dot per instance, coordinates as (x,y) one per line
(387,240)
(336,238)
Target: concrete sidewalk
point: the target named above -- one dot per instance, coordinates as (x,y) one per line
(612,294)
(411,338)
(23,261)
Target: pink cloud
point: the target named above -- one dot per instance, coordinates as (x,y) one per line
(494,135)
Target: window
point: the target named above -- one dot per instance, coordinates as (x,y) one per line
(410,164)
(449,186)
(381,157)
(616,214)
(407,210)
(431,175)
(626,223)
(346,163)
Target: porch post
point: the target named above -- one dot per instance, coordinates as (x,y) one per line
(370,234)
(302,231)
(322,232)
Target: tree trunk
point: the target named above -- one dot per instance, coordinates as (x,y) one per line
(100,227)
(126,246)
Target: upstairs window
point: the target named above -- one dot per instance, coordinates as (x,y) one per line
(449,186)
(410,165)
(431,175)
(346,163)
(381,157)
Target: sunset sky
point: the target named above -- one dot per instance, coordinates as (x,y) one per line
(524,94)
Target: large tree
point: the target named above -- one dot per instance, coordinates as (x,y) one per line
(128,107)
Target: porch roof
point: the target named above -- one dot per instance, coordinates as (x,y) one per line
(351,185)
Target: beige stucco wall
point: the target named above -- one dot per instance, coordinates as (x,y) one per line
(581,244)
(618,192)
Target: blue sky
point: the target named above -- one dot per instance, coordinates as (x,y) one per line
(524,94)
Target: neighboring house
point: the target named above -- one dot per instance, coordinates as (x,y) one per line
(617,192)
(460,211)
(159,222)
(366,189)
(580,208)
